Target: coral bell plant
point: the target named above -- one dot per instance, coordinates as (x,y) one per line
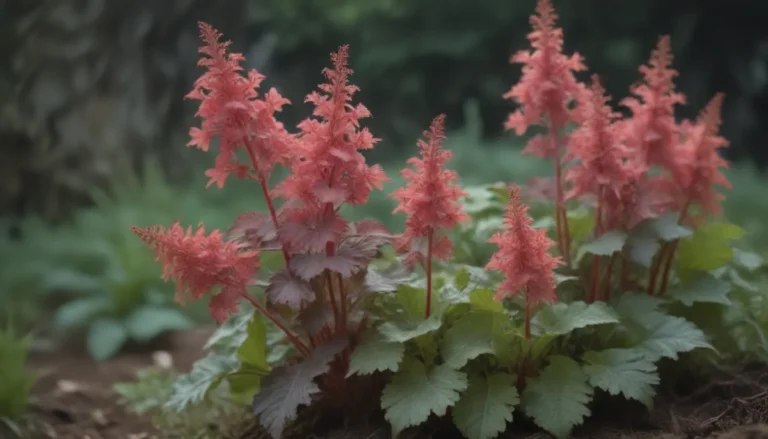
(553,317)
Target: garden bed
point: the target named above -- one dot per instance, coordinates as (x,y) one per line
(75,399)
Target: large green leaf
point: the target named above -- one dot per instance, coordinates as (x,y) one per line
(147,322)
(473,335)
(416,391)
(709,248)
(486,407)
(106,337)
(622,371)
(705,289)
(604,245)
(374,353)
(558,398)
(562,318)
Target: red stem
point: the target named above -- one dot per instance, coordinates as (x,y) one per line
(291,336)
(667,267)
(655,269)
(429,274)
(608,278)
(561,216)
(594,286)
(332,299)
(268,197)
(343,299)
(666,256)
(527,315)
(672,250)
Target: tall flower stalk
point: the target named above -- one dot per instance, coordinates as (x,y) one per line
(430,199)
(546,93)
(523,257)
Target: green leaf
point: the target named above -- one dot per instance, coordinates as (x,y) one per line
(750,261)
(69,280)
(482,299)
(148,322)
(667,336)
(655,333)
(709,248)
(487,406)
(604,245)
(562,318)
(402,330)
(461,280)
(374,353)
(642,249)
(634,306)
(413,300)
(581,222)
(473,335)
(245,382)
(105,338)
(81,311)
(706,288)
(558,398)
(415,392)
(206,374)
(622,371)
(253,351)
(666,227)
(232,333)
(480,200)
(289,387)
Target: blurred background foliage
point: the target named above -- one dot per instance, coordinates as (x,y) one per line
(92,90)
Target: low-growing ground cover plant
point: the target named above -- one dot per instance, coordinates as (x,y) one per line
(625,263)
(15,380)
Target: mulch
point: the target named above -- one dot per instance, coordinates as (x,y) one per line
(74,400)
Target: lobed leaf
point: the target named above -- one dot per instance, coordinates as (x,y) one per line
(402,330)
(415,392)
(287,289)
(205,376)
(375,354)
(149,321)
(667,336)
(557,399)
(289,387)
(655,333)
(622,371)
(604,245)
(708,248)
(473,335)
(486,407)
(562,318)
(706,289)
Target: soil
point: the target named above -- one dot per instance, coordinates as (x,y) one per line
(74,400)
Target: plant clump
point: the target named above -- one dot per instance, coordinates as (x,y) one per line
(558,316)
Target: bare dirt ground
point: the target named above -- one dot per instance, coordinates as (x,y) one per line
(74,400)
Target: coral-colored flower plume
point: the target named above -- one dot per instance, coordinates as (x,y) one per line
(652,132)
(328,169)
(232,110)
(430,199)
(523,256)
(596,148)
(698,161)
(198,263)
(548,85)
